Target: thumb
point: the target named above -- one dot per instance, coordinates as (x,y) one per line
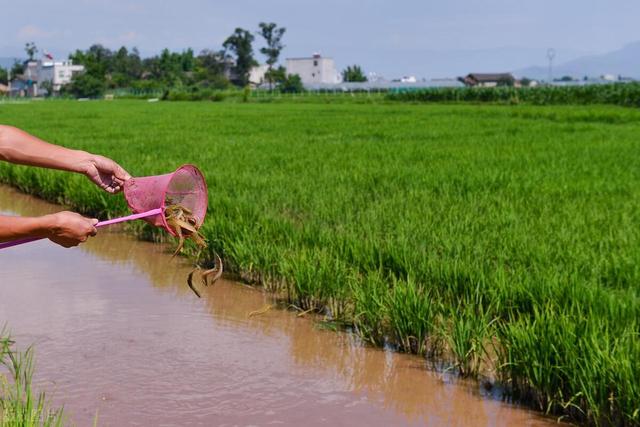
(122,174)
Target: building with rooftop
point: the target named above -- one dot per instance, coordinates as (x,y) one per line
(58,73)
(488,79)
(314,70)
(37,73)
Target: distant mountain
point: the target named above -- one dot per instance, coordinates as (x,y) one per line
(624,62)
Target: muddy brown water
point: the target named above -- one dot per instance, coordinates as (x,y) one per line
(117,333)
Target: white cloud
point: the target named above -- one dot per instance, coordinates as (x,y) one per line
(32,32)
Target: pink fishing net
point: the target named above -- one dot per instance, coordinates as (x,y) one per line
(186,187)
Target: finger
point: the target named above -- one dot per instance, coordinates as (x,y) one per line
(121,174)
(94,231)
(116,183)
(94,221)
(97,181)
(107,187)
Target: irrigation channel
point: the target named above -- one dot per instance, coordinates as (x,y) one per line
(117,333)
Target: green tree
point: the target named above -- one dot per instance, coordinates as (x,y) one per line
(353,74)
(277,75)
(119,69)
(209,69)
(272,35)
(47,85)
(97,60)
(4,75)
(120,61)
(16,69)
(240,43)
(210,62)
(187,60)
(287,83)
(170,66)
(292,84)
(31,50)
(86,85)
(505,81)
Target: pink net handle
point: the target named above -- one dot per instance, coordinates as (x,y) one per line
(98,225)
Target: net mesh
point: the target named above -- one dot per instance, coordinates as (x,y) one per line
(185,187)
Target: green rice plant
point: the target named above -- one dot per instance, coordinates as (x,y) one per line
(417,223)
(467,332)
(575,369)
(412,314)
(20,406)
(369,297)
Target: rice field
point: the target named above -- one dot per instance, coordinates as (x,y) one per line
(502,239)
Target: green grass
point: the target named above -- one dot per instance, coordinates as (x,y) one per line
(504,236)
(20,405)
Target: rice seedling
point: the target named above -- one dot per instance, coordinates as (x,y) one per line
(369,305)
(466,334)
(20,405)
(412,314)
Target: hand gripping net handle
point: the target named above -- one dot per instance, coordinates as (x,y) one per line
(98,225)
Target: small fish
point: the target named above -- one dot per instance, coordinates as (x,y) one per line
(261,311)
(190,283)
(213,274)
(185,226)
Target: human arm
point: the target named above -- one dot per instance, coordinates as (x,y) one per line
(17,146)
(64,228)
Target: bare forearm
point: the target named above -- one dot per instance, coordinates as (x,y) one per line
(13,227)
(64,228)
(17,146)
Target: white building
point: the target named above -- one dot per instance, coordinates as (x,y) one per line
(257,74)
(316,69)
(58,73)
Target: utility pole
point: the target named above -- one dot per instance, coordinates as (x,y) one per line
(551,54)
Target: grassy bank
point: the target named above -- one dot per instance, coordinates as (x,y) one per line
(502,238)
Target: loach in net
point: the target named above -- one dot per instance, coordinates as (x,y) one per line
(185,187)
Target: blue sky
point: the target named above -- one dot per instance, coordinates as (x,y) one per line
(419,37)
